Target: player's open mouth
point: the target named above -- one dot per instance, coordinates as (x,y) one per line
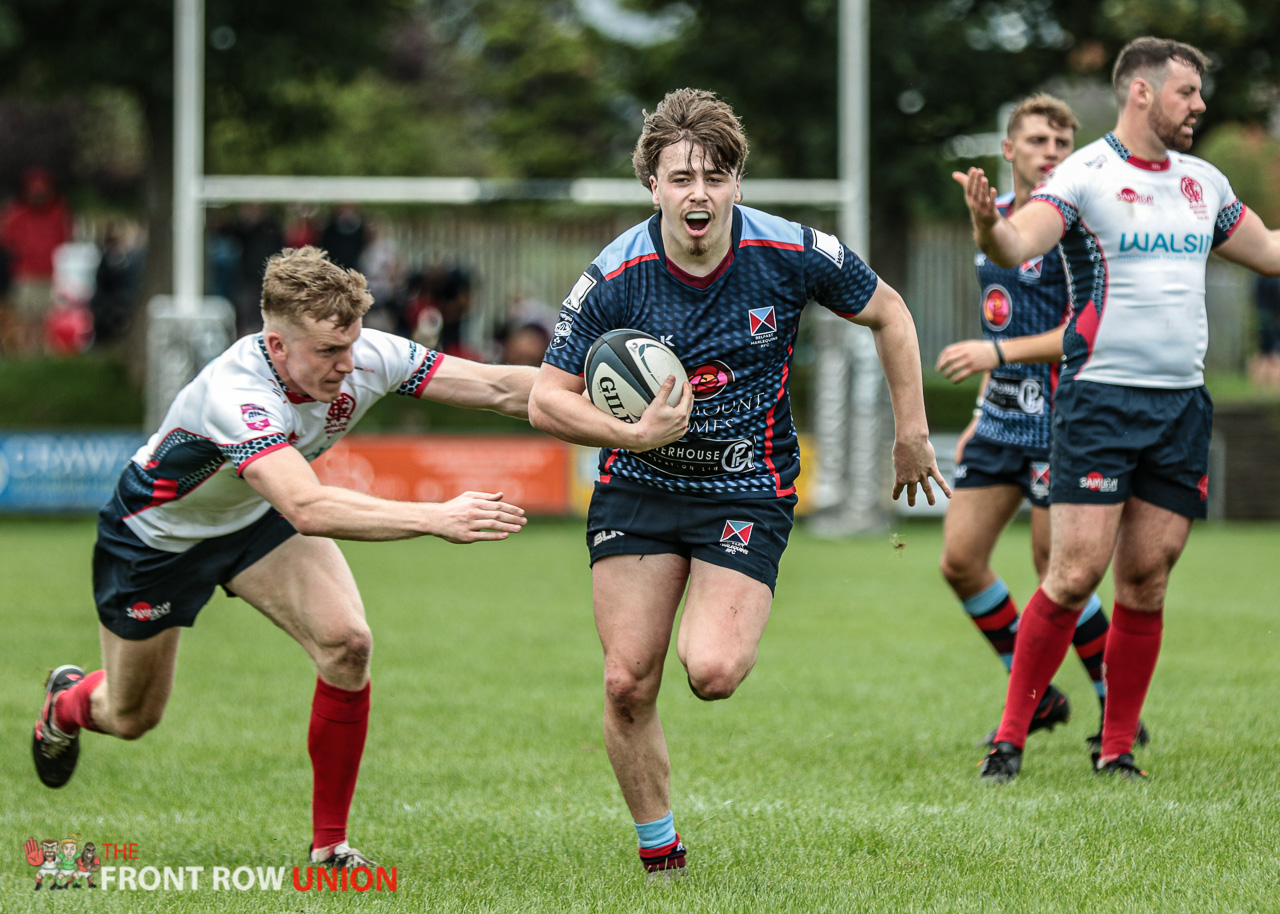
(696,223)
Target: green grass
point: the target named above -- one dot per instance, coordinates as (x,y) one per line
(841,777)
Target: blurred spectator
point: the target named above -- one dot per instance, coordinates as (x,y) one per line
(31,228)
(222,255)
(450,291)
(344,236)
(260,236)
(116,284)
(7,327)
(380,264)
(523,337)
(1265,367)
(303,228)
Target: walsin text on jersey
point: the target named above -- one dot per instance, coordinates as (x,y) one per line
(246,879)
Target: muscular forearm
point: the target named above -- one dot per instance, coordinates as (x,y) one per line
(1043,347)
(1000,241)
(900,357)
(348,515)
(572,417)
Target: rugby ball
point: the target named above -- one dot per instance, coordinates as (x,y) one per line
(624,372)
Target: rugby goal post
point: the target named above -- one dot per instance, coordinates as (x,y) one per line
(850,401)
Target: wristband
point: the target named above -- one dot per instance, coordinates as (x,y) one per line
(999,353)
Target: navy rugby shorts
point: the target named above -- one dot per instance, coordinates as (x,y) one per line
(987,463)
(141,591)
(1112,442)
(746,534)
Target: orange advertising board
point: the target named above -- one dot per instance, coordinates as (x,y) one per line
(531,471)
(542,475)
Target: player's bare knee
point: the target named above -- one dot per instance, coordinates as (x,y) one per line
(628,693)
(347,656)
(959,572)
(715,680)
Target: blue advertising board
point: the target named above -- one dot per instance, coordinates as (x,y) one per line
(61,471)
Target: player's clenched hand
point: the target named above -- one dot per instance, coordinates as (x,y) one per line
(662,424)
(966,358)
(34,855)
(914,464)
(979,196)
(476,516)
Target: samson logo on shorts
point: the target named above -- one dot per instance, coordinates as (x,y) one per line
(1096,482)
(145,612)
(701,458)
(736,536)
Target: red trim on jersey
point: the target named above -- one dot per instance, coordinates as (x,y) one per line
(261,453)
(768,431)
(701,282)
(769,243)
(1148,165)
(631,263)
(1090,332)
(1055,209)
(297,398)
(430,374)
(605,476)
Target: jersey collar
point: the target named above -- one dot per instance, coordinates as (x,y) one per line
(1126,156)
(683,276)
(293,397)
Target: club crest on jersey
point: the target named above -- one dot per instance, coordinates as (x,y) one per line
(1039,479)
(1194,193)
(736,536)
(340,412)
(255,416)
(709,379)
(1030,270)
(764,324)
(997,307)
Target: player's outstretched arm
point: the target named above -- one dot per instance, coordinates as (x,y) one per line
(285,479)
(914,463)
(475,385)
(969,357)
(1032,231)
(1253,245)
(558,407)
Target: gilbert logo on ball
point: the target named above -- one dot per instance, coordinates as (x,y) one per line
(625,369)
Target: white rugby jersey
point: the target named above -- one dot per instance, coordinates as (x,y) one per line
(184,485)
(1136,235)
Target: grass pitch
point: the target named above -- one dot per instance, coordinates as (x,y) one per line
(841,777)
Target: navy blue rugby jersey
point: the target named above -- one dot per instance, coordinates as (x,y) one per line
(1020,301)
(733,330)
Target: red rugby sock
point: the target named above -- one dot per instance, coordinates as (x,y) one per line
(71,709)
(1128,663)
(335,741)
(1044,637)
